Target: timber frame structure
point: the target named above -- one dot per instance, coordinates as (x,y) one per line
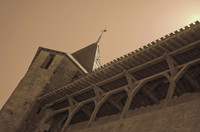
(165,68)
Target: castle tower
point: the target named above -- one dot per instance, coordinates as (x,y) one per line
(48,71)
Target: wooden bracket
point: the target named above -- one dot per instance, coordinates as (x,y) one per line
(130,97)
(130,80)
(173,80)
(171,63)
(72,112)
(98,91)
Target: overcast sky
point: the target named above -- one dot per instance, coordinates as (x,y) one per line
(69,25)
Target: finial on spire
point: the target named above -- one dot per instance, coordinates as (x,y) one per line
(101,35)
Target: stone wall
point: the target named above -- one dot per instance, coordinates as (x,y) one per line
(21,111)
(181,116)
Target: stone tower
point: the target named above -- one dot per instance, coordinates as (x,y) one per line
(48,71)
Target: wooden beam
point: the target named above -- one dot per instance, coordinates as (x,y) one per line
(71,101)
(120,97)
(150,95)
(153,87)
(98,103)
(173,80)
(182,40)
(171,63)
(67,108)
(85,110)
(163,48)
(170,93)
(193,82)
(116,104)
(99,92)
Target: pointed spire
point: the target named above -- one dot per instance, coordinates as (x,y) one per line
(101,36)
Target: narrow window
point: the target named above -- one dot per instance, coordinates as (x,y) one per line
(47,62)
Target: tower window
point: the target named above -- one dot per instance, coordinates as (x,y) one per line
(47,62)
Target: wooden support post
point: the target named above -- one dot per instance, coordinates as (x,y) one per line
(98,92)
(71,101)
(173,80)
(129,99)
(93,114)
(171,63)
(127,105)
(129,77)
(170,92)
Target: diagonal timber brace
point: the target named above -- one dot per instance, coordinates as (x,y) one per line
(84,109)
(131,94)
(99,92)
(173,79)
(150,95)
(72,112)
(98,104)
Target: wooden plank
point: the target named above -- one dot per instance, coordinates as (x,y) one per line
(150,95)
(183,42)
(98,104)
(114,103)
(163,48)
(193,82)
(153,87)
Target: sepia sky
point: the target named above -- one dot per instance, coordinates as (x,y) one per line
(68,25)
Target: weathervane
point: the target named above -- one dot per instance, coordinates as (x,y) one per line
(101,35)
